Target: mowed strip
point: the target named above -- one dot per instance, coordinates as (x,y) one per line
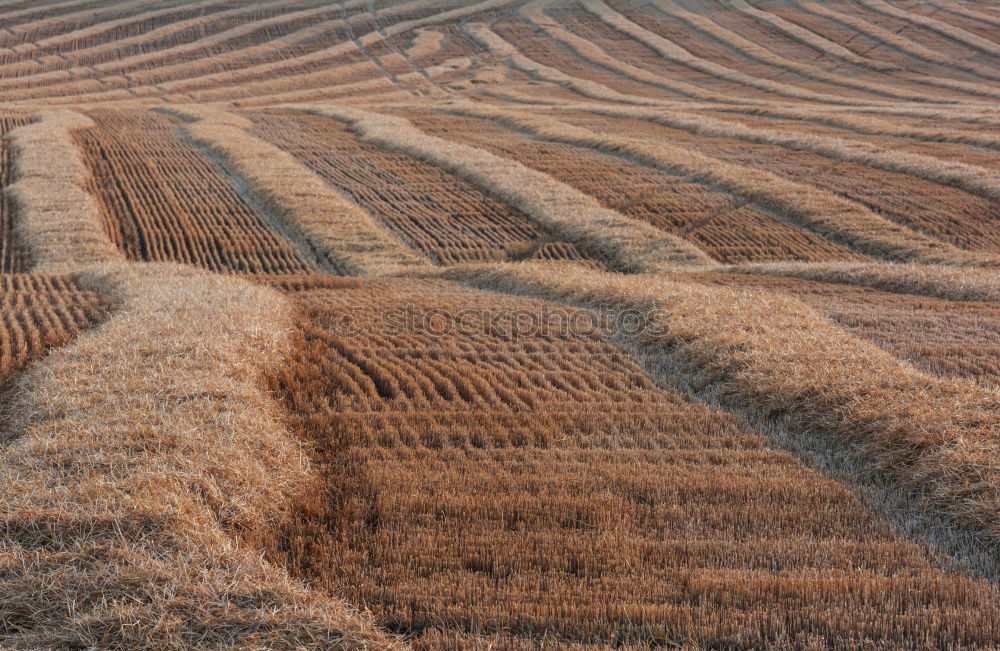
(437,213)
(498,472)
(942,337)
(12,258)
(163,201)
(728,227)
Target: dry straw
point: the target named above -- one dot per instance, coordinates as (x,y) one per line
(337,229)
(57,221)
(974,41)
(810,38)
(971,178)
(145,469)
(779,359)
(590,51)
(823,212)
(756,52)
(673,52)
(571,215)
(949,283)
(894,40)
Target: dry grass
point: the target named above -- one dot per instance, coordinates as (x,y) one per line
(812,39)
(488,484)
(837,219)
(779,359)
(673,52)
(760,53)
(970,178)
(341,232)
(162,200)
(950,283)
(567,213)
(974,41)
(440,215)
(896,41)
(875,126)
(178,472)
(58,222)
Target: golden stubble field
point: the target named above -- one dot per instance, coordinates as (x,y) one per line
(506,324)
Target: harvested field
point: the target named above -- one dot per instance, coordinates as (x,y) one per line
(948,214)
(514,324)
(470,471)
(38,312)
(11,256)
(163,201)
(679,205)
(436,213)
(948,338)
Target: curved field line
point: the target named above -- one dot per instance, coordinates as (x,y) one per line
(183,480)
(34,10)
(673,52)
(976,180)
(590,51)
(333,227)
(315,94)
(570,214)
(962,10)
(56,220)
(812,39)
(249,72)
(166,30)
(773,356)
(755,51)
(872,126)
(949,283)
(955,33)
(837,219)
(221,37)
(895,41)
(85,13)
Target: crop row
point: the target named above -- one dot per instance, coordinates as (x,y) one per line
(722,225)
(436,213)
(162,200)
(513,483)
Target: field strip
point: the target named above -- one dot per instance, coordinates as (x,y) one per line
(896,41)
(222,37)
(964,11)
(590,51)
(976,180)
(592,89)
(182,480)
(93,30)
(7,16)
(334,51)
(934,438)
(810,38)
(939,281)
(249,72)
(335,228)
(955,33)
(872,126)
(837,219)
(58,222)
(673,52)
(121,44)
(83,14)
(73,72)
(571,215)
(755,51)
(434,72)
